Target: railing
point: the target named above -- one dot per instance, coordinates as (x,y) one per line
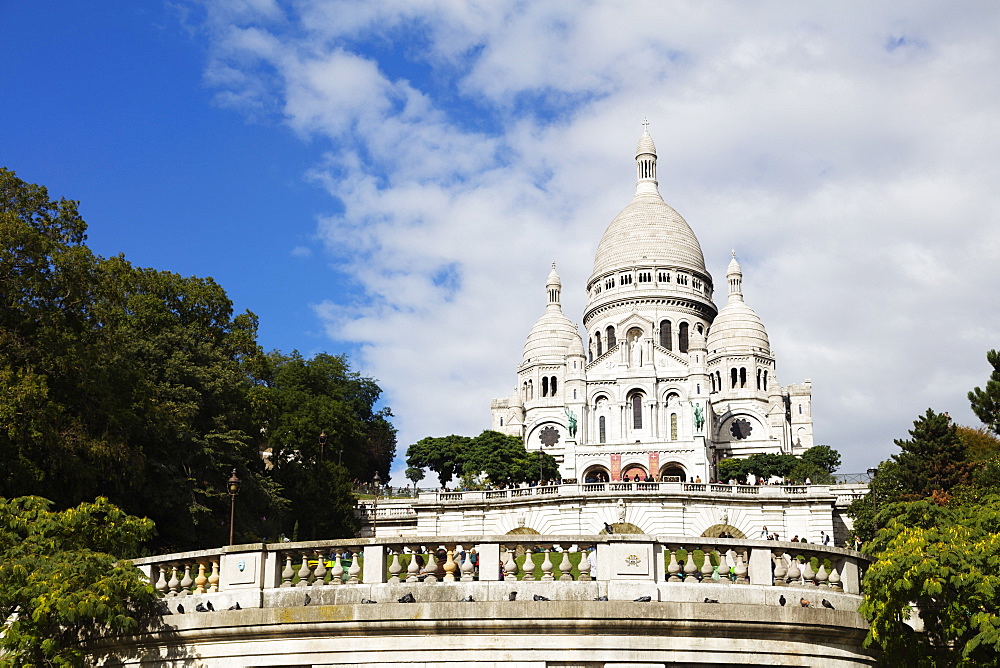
(427,561)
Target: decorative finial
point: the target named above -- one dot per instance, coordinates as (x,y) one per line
(734,253)
(645,125)
(554,264)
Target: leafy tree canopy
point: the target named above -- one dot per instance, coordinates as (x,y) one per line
(986,402)
(60,584)
(817,464)
(502,458)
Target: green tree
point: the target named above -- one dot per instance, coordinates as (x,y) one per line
(941,563)
(986,403)
(932,461)
(442,454)
(823,457)
(501,457)
(731,469)
(414,475)
(61,583)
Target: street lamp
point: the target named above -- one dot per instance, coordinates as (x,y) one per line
(378,481)
(234,489)
(871,493)
(322,445)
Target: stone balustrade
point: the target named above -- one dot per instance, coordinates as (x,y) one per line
(253,570)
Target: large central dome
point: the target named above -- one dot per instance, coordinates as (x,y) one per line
(648,231)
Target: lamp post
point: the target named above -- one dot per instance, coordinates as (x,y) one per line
(322,445)
(871,492)
(234,489)
(378,481)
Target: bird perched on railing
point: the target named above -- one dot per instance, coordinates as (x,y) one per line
(512,596)
(643,599)
(539,597)
(781,600)
(408,598)
(308,600)
(827,604)
(804,603)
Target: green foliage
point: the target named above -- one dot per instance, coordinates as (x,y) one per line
(60,584)
(732,469)
(933,460)
(144,386)
(943,563)
(823,457)
(817,463)
(502,458)
(414,475)
(986,403)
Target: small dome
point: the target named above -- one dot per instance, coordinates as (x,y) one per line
(737,327)
(646,144)
(576,345)
(552,335)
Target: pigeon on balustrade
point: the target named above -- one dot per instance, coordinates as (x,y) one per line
(468,599)
(180,608)
(513,596)
(643,599)
(200,608)
(601,598)
(211,608)
(235,606)
(781,600)
(827,604)
(804,603)
(711,600)
(407,599)
(539,597)
(367,600)
(308,599)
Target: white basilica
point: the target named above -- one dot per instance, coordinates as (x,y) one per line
(666,384)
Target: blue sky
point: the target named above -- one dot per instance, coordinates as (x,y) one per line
(393,179)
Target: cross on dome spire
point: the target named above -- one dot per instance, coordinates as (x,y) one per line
(645,163)
(735,277)
(553,286)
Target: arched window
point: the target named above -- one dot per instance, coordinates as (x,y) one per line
(637,411)
(682,337)
(611,337)
(531,389)
(734,375)
(765,380)
(697,388)
(743,377)
(712,376)
(758,379)
(501,422)
(718,381)
(552,386)
(800,409)
(545,386)
(602,429)
(673,426)
(701,330)
(666,335)
(574,394)
(597,338)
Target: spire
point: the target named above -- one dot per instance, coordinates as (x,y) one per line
(645,163)
(735,276)
(554,287)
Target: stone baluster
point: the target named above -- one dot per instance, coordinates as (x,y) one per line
(584,567)
(529,563)
(430,566)
(354,572)
(305,573)
(288,573)
(741,568)
(201,580)
(690,570)
(468,568)
(337,572)
(509,566)
(565,567)
(394,566)
(161,583)
(547,565)
(213,579)
(174,584)
(413,568)
(794,572)
(320,573)
(724,556)
(822,576)
(449,565)
(835,582)
(187,580)
(780,569)
(706,566)
(673,567)
(808,574)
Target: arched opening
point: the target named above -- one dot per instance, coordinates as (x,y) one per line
(716,530)
(635,400)
(545,386)
(666,335)
(596,474)
(718,380)
(622,528)
(673,426)
(672,472)
(590,350)
(758,378)
(531,389)
(597,338)
(552,386)
(682,337)
(734,373)
(765,380)
(632,470)
(743,377)
(611,337)
(602,428)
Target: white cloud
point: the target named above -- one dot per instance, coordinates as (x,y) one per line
(848,153)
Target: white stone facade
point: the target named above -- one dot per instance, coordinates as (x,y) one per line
(667,384)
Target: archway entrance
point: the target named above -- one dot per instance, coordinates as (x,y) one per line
(672,472)
(717,530)
(522,531)
(596,474)
(633,470)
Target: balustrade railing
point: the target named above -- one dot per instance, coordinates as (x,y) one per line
(428,561)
